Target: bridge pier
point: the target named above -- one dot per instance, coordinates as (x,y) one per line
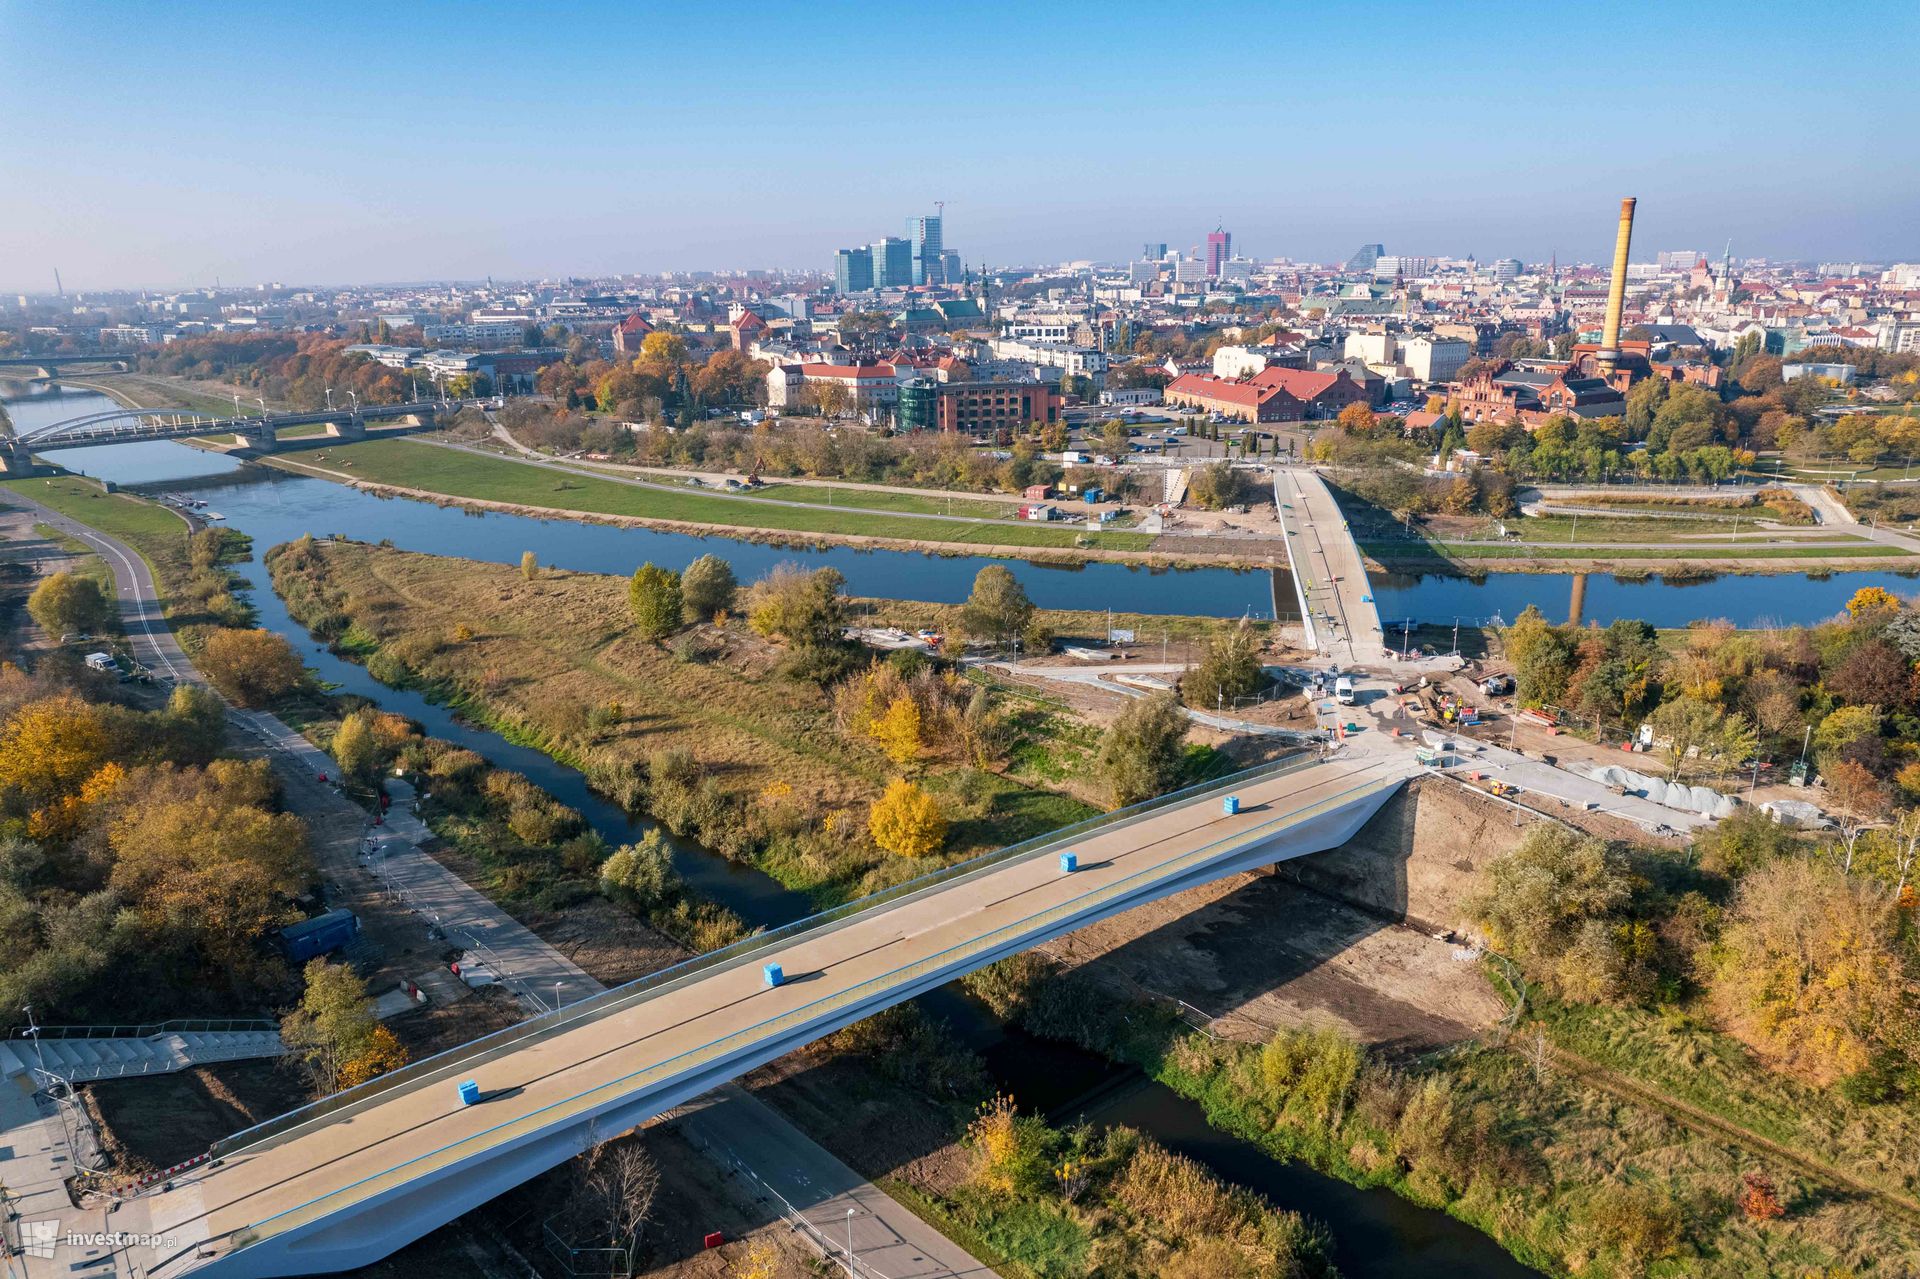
(16,461)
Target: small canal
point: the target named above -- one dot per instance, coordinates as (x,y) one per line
(1376,1233)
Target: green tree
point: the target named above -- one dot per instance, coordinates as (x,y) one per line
(1229,669)
(196,723)
(1143,749)
(707,588)
(804,609)
(334,1033)
(69,604)
(1693,729)
(1543,658)
(998,609)
(654,597)
(1553,903)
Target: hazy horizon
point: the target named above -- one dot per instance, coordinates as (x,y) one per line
(336,146)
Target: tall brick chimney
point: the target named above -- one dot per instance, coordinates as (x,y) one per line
(1609,354)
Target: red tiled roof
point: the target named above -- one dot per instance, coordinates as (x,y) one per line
(1301,384)
(748,320)
(635,324)
(1227,391)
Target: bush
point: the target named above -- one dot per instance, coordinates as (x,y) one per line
(654,596)
(707,588)
(642,874)
(1142,751)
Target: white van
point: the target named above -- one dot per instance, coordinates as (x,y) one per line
(1343,690)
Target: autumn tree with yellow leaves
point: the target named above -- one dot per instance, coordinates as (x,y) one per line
(907,821)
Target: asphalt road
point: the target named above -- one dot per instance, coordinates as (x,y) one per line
(730,1122)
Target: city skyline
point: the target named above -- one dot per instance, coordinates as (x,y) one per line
(323,149)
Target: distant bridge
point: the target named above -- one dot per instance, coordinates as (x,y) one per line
(49,364)
(259,432)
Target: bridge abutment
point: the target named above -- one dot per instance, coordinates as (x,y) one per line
(16,461)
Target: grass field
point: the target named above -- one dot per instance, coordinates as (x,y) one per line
(880,500)
(417,464)
(1738,552)
(147,524)
(1649,527)
(555,663)
(87,563)
(192,599)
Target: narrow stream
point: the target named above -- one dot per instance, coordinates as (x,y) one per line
(1376,1233)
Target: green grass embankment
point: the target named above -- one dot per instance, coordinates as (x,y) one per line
(424,467)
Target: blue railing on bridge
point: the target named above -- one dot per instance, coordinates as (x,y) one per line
(941,961)
(501,1042)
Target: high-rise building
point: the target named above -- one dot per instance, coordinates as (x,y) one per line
(952,270)
(853,270)
(1506,270)
(1678,259)
(1365,256)
(923,234)
(892,262)
(1154,250)
(1219,249)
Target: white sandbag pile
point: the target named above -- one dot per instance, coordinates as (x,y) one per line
(1694,799)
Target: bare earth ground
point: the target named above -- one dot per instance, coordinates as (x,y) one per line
(1256,952)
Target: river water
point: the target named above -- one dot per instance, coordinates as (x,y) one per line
(1376,1233)
(275,506)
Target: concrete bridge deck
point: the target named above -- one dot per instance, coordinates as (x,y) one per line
(350,1183)
(1330,573)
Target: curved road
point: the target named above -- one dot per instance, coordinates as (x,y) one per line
(735,1127)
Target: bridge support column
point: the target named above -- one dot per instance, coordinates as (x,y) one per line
(261,439)
(16,461)
(351,427)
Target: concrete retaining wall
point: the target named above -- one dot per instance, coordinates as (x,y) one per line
(1417,859)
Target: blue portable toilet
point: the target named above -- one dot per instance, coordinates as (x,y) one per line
(773,975)
(1231,805)
(469,1093)
(1069,862)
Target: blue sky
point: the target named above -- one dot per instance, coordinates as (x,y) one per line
(150,144)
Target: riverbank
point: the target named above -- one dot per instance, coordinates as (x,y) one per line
(1587,1140)
(713,733)
(481,482)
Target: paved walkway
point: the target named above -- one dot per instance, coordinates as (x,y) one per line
(33,1163)
(397,1137)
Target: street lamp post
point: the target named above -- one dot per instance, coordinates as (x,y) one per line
(853,1261)
(329,391)
(33,1031)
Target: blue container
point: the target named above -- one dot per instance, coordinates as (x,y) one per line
(469,1093)
(1230,805)
(1069,862)
(773,975)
